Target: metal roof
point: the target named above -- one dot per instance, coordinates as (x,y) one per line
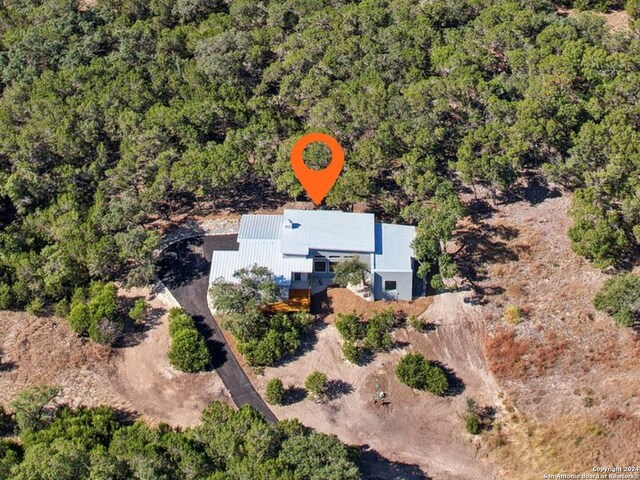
(326,230)
(263,227)
(265,253)
(393,247)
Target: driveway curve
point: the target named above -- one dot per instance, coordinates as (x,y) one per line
(184,268)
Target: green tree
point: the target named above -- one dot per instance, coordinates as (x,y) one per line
(32,408)
(188,351)
(417,372)
(351,272)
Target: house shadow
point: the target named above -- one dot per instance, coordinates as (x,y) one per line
(374,466)
(182,262)
(321,304)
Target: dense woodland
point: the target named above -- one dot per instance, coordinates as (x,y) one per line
(64,444)
(129,111)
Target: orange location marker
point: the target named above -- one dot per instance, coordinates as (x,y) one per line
(317,183)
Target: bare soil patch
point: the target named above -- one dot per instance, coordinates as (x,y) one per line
(571,378)
(417,435)
(136,379)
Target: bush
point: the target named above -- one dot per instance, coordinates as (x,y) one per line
(6,297)
(62,308)
(512,315)
(36,306)
(104,331)
(633,8)
(620,298)
(188,351)
(79,318)
(350,326)
(417,323)
(378,337)
(351,352)
(472,417)
(417,372)
(316,384)
(139,311)
(275,391)
(178,320)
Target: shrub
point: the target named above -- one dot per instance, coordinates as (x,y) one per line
(139,311)
(62,308)
(351,352)
(512,315)
(472,417)
(417,372)
(417,323)
(350,326)
(275,391)
(6,297)
(472,424)
(178,320)
(316,384)
(620,298)
(633,8)
(36,306)
(79,318)
(104,331)
(378,337)
(188,351)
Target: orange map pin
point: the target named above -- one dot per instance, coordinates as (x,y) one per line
(317,183)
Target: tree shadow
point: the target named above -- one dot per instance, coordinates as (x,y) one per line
(374,466)
(294,394)
(456,384)
(7,366)
(217,349)
(535,190)
(482,244)
(133,334)
(182,262)
(337,388)
(487,417)
(308,342)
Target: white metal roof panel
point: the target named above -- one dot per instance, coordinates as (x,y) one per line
(393,247)
(265,253)
(263,227)
(327,230)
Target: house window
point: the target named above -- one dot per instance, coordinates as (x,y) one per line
(297,276)
(390,285)
(320,266)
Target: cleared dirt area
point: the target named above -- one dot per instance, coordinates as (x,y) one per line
(417,433)
(136,379)
(571,377)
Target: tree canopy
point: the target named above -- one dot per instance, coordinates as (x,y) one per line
(127,112)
